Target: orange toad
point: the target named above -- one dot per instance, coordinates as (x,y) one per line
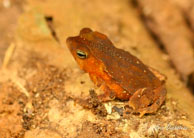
(118,73)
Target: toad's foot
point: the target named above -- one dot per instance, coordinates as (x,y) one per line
(108,94)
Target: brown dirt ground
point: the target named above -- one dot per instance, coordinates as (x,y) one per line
(41,85)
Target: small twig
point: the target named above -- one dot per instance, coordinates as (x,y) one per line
(12,77)
(8,55)
(20,86)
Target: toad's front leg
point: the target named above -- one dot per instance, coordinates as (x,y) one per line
(108,93)
(147,101)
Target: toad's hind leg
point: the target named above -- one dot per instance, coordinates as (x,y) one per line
(147,102)
(159,75)
(154,107)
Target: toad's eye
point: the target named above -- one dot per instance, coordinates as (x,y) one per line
(81,54)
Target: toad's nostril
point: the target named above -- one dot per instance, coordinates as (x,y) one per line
(69,40)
